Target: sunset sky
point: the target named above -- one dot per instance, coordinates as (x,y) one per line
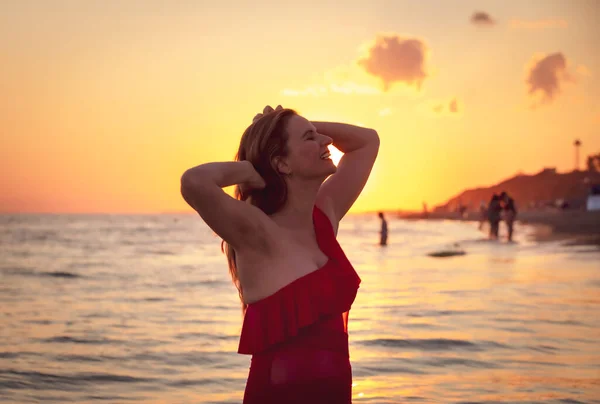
(104,104)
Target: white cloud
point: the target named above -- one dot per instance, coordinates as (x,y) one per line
(385,112)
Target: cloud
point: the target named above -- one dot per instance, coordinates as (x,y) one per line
(538,24)
(453,107)
(349,87)
(344,79)
(341,88)
(388,59)
(385,112)
(546,75)
(392,59)
(446,108)
(481,18)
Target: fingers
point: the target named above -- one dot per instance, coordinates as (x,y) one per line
(266,110)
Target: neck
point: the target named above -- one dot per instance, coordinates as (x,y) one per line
(298,209)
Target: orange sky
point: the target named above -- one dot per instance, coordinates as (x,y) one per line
(105,104)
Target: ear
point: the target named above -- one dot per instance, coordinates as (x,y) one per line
(282,166)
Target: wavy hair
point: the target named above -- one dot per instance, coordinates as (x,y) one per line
(263,141)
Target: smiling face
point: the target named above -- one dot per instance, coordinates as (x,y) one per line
(308,155)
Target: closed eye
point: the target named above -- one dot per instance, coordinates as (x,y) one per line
(309,135)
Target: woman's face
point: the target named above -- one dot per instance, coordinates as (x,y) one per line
(308,155)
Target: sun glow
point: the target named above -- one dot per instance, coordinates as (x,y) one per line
(336,155)
(116,137)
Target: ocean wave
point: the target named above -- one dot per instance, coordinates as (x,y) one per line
(40,322)
(13,379)
(110,398)
(472,363)
(203,282)
(81,358)
(521,362)
(187,359)
(153,252)
(221,337)
(64,339)
(25,271)
(547,349)
(60,274)
(376,370)
(192,382)
(520,330)
(442,313)
(151,299)
(435,344)
(564,322)
(157,299)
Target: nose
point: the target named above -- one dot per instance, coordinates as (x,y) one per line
(326,140)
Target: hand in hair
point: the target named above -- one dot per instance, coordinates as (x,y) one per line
(266,110)
(255,181)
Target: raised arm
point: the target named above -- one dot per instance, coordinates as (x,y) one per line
(360,147)
(238,223)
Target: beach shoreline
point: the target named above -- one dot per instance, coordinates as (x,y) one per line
(570,227)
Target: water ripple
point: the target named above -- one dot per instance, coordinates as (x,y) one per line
(434,344)
(13,379)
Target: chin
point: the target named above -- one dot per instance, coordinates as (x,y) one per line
(322,171)
(331,169)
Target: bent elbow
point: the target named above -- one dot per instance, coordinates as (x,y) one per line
(186,182)
(191,184)
(374,137)
(186,187)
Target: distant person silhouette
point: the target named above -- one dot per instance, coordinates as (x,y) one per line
(384,230)
(482,214)
(510,213)
(494,211)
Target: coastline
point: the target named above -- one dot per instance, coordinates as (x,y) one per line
(572,227)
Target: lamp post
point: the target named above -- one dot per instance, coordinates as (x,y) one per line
(577,144)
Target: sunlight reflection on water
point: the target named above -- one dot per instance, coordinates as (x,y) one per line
(118,308)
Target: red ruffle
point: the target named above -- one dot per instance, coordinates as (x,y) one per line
(328,291)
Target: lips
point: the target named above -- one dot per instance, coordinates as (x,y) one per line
(325,155)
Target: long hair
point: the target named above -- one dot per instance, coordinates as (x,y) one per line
(261,143)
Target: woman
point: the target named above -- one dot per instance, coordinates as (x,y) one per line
(279,233)
(494,213)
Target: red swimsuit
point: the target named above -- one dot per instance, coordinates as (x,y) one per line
(298,336)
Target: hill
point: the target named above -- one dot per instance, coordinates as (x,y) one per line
(531,191)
